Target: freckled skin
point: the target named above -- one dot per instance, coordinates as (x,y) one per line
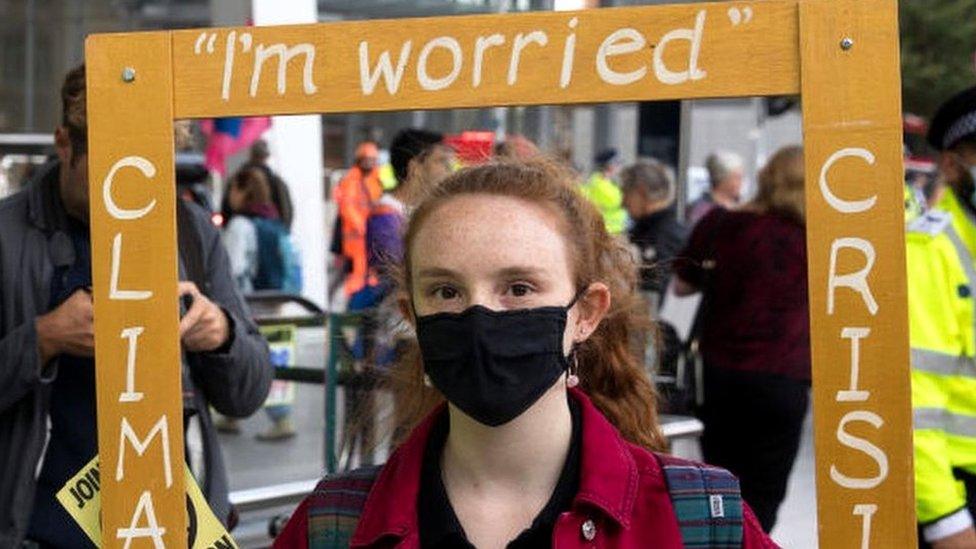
(502,253)
(477,237)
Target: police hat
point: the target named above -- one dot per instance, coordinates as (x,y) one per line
(954,121)
(605,157)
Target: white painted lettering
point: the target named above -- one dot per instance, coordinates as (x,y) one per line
(861,445)
(839,204)
(392,78)
(569,54)
(130,394)
(285,54)
(228,65)
(127,433)
(423,76)
(857,281)
(114,292)
(866,510)
(853,394)
(694,36)
(520,43)
(481,45)
(620,42)
(148,171)
(152,529)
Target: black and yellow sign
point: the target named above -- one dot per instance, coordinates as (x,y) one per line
(81,497)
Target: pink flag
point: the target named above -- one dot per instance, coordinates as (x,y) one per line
(227,136)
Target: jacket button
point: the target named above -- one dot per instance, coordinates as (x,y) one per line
(589,530)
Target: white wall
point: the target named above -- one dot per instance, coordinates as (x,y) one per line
(296,154)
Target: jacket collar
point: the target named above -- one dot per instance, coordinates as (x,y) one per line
(649,221)
(44,208)
(608,478)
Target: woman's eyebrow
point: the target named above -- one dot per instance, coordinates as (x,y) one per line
(436,272)
(520,271)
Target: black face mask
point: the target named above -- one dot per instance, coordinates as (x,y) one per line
(494,365)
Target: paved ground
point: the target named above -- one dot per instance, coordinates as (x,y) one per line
(797,524)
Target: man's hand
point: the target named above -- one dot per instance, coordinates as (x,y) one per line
(963,540)
(68,329)
(204,327)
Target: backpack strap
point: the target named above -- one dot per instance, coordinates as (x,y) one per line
(334,507)
(707,503)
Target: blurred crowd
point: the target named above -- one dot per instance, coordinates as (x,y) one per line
(732,263)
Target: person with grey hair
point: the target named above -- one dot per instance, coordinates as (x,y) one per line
(725,172)
(656,233)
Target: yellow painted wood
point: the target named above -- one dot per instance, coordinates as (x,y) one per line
(852,100)
(851,103)
(134,121)
(746,48)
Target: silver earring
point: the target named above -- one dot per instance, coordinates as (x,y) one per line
(427,381)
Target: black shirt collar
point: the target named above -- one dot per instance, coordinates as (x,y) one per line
(439,525)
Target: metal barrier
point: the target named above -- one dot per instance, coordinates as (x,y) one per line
(255,499)
(339,370)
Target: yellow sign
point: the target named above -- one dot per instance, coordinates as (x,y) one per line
(81,498)
(845,50)
(627,54)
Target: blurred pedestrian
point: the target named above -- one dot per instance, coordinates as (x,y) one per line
(261,258)
(262,254)
(725,173)
(531,424)
(649,191)
(354,196)
(751,266)
(47,369)
(516,147)
(421,159)
(280,195)
(422,156)
(601,189)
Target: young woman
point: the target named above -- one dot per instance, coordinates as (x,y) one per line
(525,310)
(751,265)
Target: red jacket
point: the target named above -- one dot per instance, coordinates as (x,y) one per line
(621,490)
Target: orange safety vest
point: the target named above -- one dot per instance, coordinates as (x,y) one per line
(355,196)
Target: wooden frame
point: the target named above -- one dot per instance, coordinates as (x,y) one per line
(841,55)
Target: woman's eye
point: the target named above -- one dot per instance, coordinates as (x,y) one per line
(520,290)
(445,292)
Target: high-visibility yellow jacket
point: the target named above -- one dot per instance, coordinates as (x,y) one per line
(607,197)
(963,219)
(387,177)
(941,280)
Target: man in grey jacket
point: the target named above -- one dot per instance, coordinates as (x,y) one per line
(47,387)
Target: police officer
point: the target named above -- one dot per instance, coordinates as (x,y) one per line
(941,279)
(953,134)
(603,192)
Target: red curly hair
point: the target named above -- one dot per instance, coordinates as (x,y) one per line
(611,368)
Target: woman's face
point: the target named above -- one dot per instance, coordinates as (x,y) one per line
(235,198)
(498,252)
